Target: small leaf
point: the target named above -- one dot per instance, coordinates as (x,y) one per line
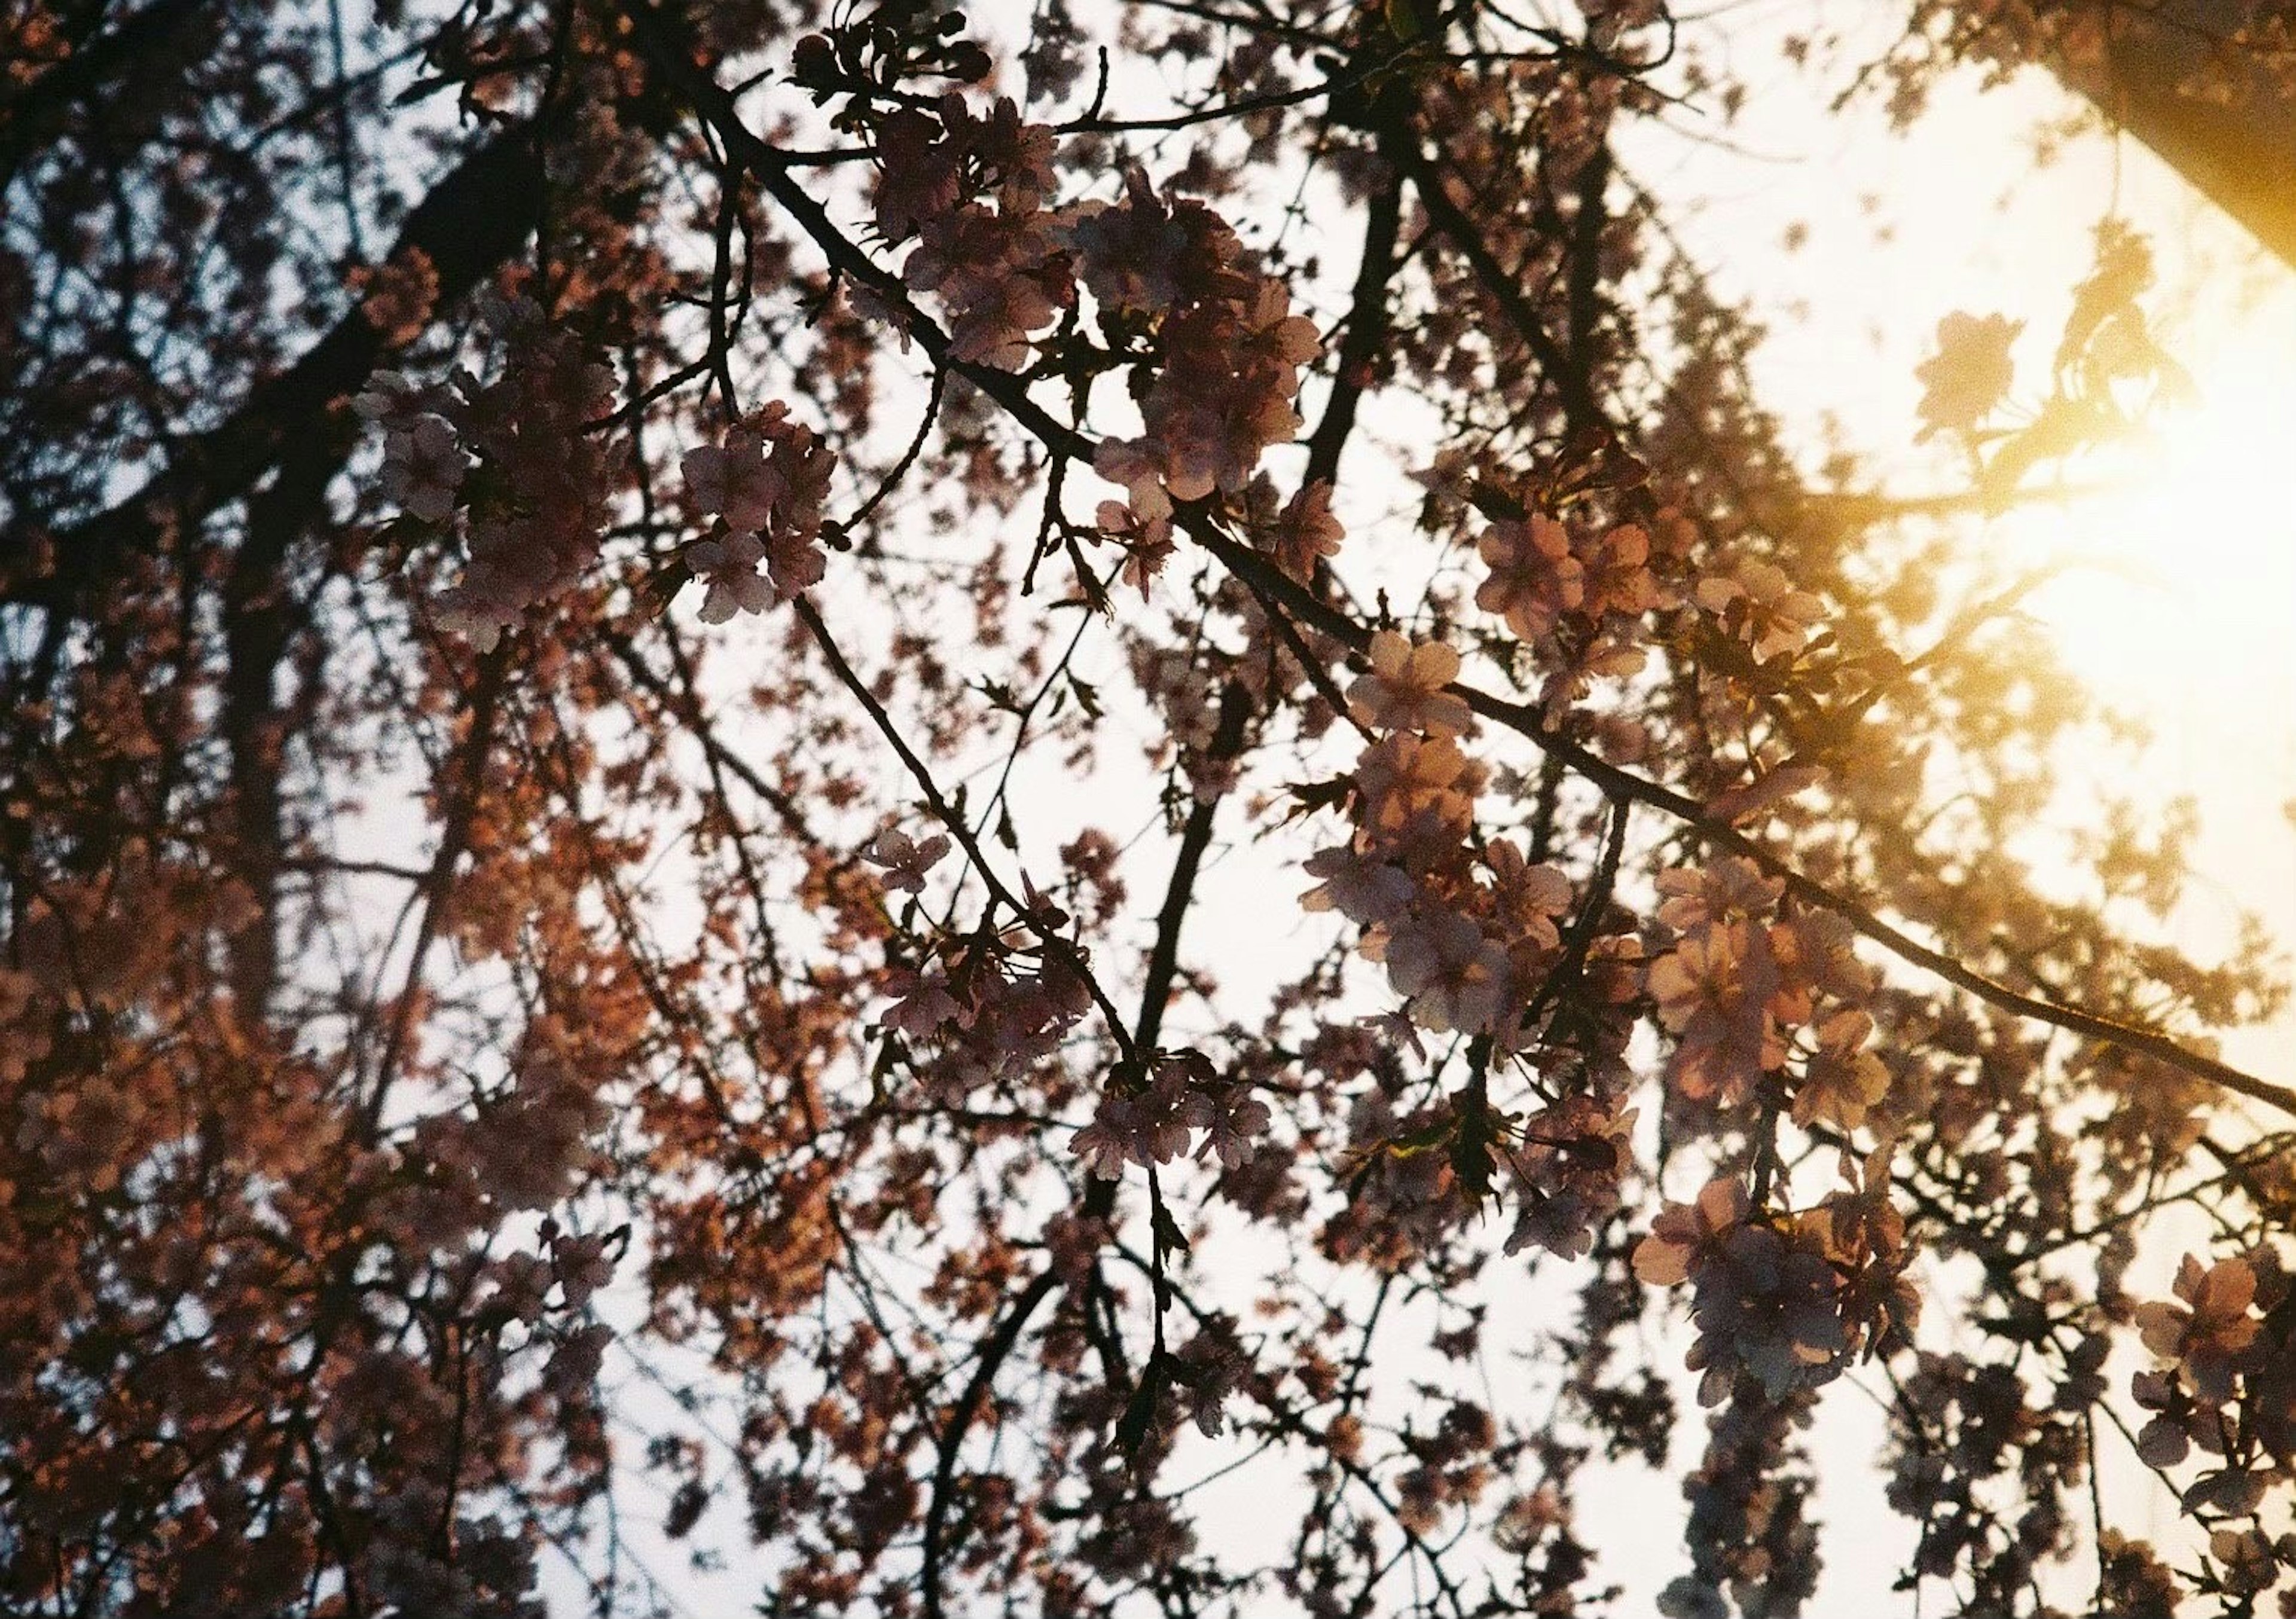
(1167,1230)
(1470,1149)
(1140,1410)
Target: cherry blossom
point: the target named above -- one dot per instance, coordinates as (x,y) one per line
(1843,1080)
(1965,381)
(1365,890)
(1535,575)
(2204,1335)
(1454,976)
(906,859)
(423,467)
(1713,990)
(1759,605)
(1405,689)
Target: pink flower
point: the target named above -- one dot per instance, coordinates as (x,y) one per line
(1230,1120)
(735,480)
(1306,532)
(1454,977)
(1000,277)
(582,1267)
(1415,796)
(2208,1332)
(730,567)
(1687,1234)
(1366,891)
(1405,688)
(1530,896)
(1843,1080)
(1713,990)
(573,1367)
(1136,464)
(1101,1145)
(1128,253)
(906,859)
(422,468)
(1535,579)
(1965,381)
(922,1004)
(921,175)
(1759,606)
(1616,576)
(1017,158)
(1731,890)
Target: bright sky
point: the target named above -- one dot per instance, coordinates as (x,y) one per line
(2181,604)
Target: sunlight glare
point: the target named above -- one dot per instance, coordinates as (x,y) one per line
(2182,591)
(2179,610)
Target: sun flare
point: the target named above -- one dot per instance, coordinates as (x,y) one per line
(2179,594)
(2176,605)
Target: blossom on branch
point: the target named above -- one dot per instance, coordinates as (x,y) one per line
(1405,689)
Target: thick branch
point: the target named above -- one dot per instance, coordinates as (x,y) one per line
(1570,382)
(1180,892)
(33,116)
(471,223)
(993,1355)
(1366,332)
(1618,783)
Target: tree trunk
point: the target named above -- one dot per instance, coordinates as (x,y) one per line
(2216,114)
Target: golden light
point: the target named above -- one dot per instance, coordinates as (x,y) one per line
(2179,607)
(2179,601)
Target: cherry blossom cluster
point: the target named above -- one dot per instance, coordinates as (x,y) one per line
(100,947)
(1786,1299)
(2223,1387)
(1228,350)
(1565,1170)
(1765,1298)
(983,1007)
(1149,1123)
(1738,979)
(1577,591)
(511,465)
(1467,937)
(1471,933)
(1753,1542)
(406,1566)
(1179,295)
(972,189)
(1405,1194)
(1185,683)
(764,486)
(1572,592)
(523,1148)
(1969,376)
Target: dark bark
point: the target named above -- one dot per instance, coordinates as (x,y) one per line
(2239,151)
(473,222)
